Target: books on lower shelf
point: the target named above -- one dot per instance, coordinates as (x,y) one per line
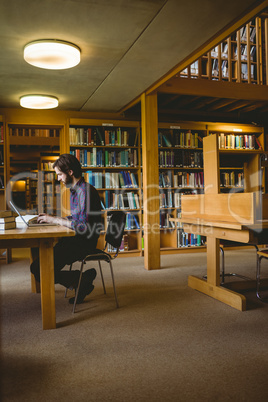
(96,157)
(121,200)
(111,180)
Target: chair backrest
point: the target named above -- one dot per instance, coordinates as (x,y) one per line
(115,229)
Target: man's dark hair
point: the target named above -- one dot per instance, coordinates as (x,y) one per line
(67,162)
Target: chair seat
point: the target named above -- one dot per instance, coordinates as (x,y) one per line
(263,253)
(98,255)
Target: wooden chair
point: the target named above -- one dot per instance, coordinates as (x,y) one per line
(113,237)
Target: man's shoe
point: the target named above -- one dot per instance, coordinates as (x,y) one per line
(86,286)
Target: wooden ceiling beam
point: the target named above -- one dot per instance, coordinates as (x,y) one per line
(219,89)
(221,104)
(168,100)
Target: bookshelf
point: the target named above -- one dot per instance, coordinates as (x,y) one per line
(181,171)
(238,58)
(30,148)
(109,152)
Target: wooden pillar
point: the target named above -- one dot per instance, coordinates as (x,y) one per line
(149,119)
(212,186)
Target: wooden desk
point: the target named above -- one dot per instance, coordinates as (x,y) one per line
(44,238)
(214,231)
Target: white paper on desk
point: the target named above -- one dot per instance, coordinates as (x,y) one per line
(26,217)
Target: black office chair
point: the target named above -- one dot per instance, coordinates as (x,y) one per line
(113,237)
(260,255)
(229,243)
(223,274)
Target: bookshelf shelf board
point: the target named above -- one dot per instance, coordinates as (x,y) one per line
(110,168)
(103,146)
(241,151)
(34,141)
(180,168)
(230,168)
(119,189)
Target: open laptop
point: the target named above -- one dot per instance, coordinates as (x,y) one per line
(33,221)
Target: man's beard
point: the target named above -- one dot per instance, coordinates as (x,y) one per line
(69,181)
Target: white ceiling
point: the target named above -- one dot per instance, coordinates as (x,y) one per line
(126,45)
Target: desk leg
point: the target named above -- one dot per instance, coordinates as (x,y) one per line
(35,286)
(47,284)
(212,287)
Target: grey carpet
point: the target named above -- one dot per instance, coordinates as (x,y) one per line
(166,342)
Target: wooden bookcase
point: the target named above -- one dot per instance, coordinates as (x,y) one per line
(112,158)
(29,149)
(181,171)
(239,58)
(109,152)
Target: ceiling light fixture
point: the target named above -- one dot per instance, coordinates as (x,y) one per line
(52,54)
(39,101)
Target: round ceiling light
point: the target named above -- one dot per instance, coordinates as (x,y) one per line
(39,101)
(52,54)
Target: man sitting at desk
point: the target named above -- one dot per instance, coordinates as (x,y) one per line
(85,219)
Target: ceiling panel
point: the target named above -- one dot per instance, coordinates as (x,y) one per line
(126,46)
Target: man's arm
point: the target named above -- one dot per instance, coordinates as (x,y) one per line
(42,218)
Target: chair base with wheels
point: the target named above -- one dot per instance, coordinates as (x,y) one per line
(114,235)
(260,255)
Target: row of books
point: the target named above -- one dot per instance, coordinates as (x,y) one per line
(252,34)
(132,221)
(2,182)
(180,139)
(127,200)
(112,180)
(1,157)
(181,158)
(91,136)
(104,158)
(232,179)
(245,141)
(124,246)
(245,72)
(166,199)
(181,179)
(189,239)
(33,132)
(164,221)
(189,179)
(170,199)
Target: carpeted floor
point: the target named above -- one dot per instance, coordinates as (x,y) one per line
(166,342)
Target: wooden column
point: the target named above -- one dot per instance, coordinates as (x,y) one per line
(212,186)
(149,119)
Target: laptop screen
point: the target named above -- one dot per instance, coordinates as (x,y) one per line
(17,211)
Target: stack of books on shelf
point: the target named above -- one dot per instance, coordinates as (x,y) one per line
(186,179)
(103,158)
(180,139)
(7,220)
(233,141)
(232,179)
(128,200)
(166,200)
(102,137)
